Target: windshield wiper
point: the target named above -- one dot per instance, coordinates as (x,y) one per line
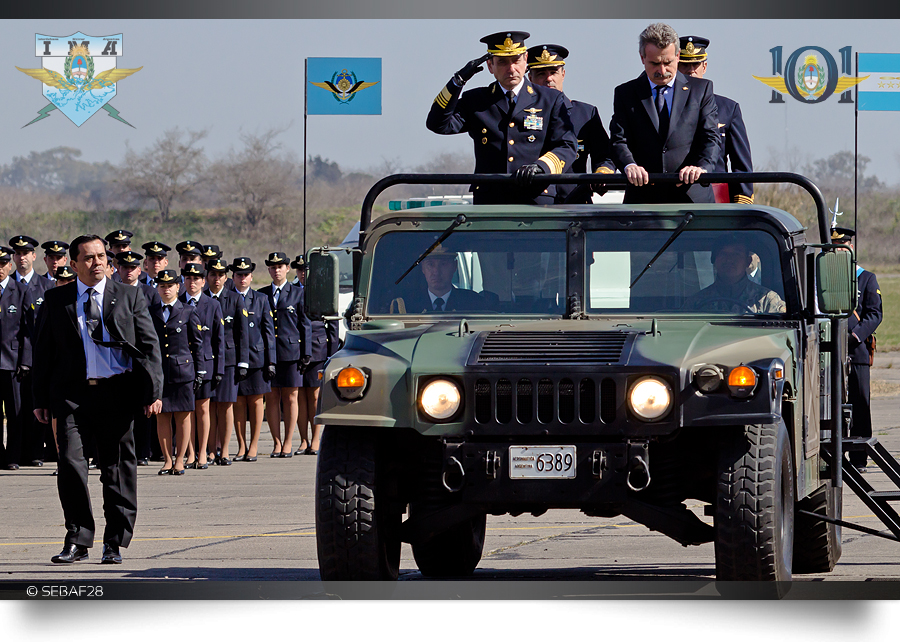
(678,230)
(460,219)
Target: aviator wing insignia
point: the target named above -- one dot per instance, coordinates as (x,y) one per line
(109,77)
(775,82)
(846,82)
(49,77)
(361,85)
(326,85)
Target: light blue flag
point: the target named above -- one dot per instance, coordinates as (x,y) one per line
(881,90)
(343,86)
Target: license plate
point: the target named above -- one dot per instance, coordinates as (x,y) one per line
(542,462)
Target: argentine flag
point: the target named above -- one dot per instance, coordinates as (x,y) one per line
(881,90)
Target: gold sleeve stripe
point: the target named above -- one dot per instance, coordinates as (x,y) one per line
(443,98)
(744,200)
(553,162)
(603,170)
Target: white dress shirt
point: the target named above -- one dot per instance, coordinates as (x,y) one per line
(102,362)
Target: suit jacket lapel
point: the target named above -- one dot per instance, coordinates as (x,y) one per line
(525,98)
(110,299)
(679,100)
(646,96)
(71,302)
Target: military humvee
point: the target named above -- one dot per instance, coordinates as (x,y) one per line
(592,357)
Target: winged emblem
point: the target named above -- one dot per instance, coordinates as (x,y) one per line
(778,84)
(344,89)
(102,80)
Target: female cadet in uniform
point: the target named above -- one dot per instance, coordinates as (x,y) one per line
(261,339)
(178,327)
(292,352)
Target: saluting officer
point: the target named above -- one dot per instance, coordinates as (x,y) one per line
(733,134)
(261,339)
(211,355)
(15,357)
(177,326)
(861,346)
(547,68)
(128,269)
(517,128)
(54,257)
(157,258)
(293,349)
(236,324)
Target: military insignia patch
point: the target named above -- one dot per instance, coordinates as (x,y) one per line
(79,75)
(12,309)
(534,122)
(251,324)
(245,312)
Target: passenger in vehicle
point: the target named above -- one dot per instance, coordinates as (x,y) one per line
(441,295)
(733,291)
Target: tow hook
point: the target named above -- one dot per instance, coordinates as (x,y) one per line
(492,464)
(638,477)
(454,476)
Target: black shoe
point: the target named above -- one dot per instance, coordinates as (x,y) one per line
(143,462)
(310,451)
(175,471)
(300,451)
(56,472)
(12,467)
(248,458)
(240,457)
(92,465)
(860,469)
(223,461)
(165,471)
(201,466)
(111,554)
(285,455)
(37,462)
(70,553)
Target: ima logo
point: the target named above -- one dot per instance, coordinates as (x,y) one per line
(79,75)
(810,75)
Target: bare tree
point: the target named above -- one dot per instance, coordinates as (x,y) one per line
(167,170)
(258,177)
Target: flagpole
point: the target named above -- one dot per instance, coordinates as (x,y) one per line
(305,85)
(856,156)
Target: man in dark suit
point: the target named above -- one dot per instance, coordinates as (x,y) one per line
(547,68)
(440,295)
(732,132)
(861,345)
(664,122)
(15,359)
(517,127)
(97,358)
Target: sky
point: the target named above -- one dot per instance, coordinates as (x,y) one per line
(230,76)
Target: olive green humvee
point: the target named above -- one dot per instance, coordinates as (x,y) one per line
(617,359)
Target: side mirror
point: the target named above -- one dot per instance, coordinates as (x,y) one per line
(322,285)
(835,282)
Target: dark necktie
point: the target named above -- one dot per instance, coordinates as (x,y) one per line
(663,110)
(439,304)
(92,317)
(193,302)
(510,100)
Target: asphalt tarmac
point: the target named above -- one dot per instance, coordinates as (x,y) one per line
(255,522)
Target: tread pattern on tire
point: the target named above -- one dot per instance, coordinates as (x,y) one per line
(348,539)
(746,500)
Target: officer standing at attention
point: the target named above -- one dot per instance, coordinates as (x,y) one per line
(518,128)
(157,259)
(861,346)
(733,135)
(54,257)
(15,358)
(547,68)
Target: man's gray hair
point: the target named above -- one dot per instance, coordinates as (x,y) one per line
(660,35)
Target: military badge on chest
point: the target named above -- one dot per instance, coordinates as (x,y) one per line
(532,121)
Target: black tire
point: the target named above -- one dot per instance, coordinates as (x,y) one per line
(453,553)
(817,544)
(357,531)
(754,517)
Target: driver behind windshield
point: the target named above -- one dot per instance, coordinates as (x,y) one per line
(733,291)
(440,295)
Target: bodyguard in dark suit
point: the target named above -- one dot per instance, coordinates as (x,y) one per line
(547,68)
(664,122)
(440,295)
(97,358)
(261,341)
(861,345)
(15,359)
(293,347)
(236,326)
(516,127)
(732,132)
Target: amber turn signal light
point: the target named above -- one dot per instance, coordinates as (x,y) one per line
(351,382)
(742,381)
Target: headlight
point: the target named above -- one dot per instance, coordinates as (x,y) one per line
(650,398)
(351,383)
(440,399)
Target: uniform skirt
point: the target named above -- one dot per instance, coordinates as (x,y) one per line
(206,391)
(254,384)
(178,397)
(311,376)
(287,375)
(227,390)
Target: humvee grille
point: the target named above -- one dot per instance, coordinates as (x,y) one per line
(552,347)
(565,401)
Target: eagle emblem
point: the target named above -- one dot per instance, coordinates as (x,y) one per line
(344,85)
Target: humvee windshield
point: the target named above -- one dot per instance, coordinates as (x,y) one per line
(489,272)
